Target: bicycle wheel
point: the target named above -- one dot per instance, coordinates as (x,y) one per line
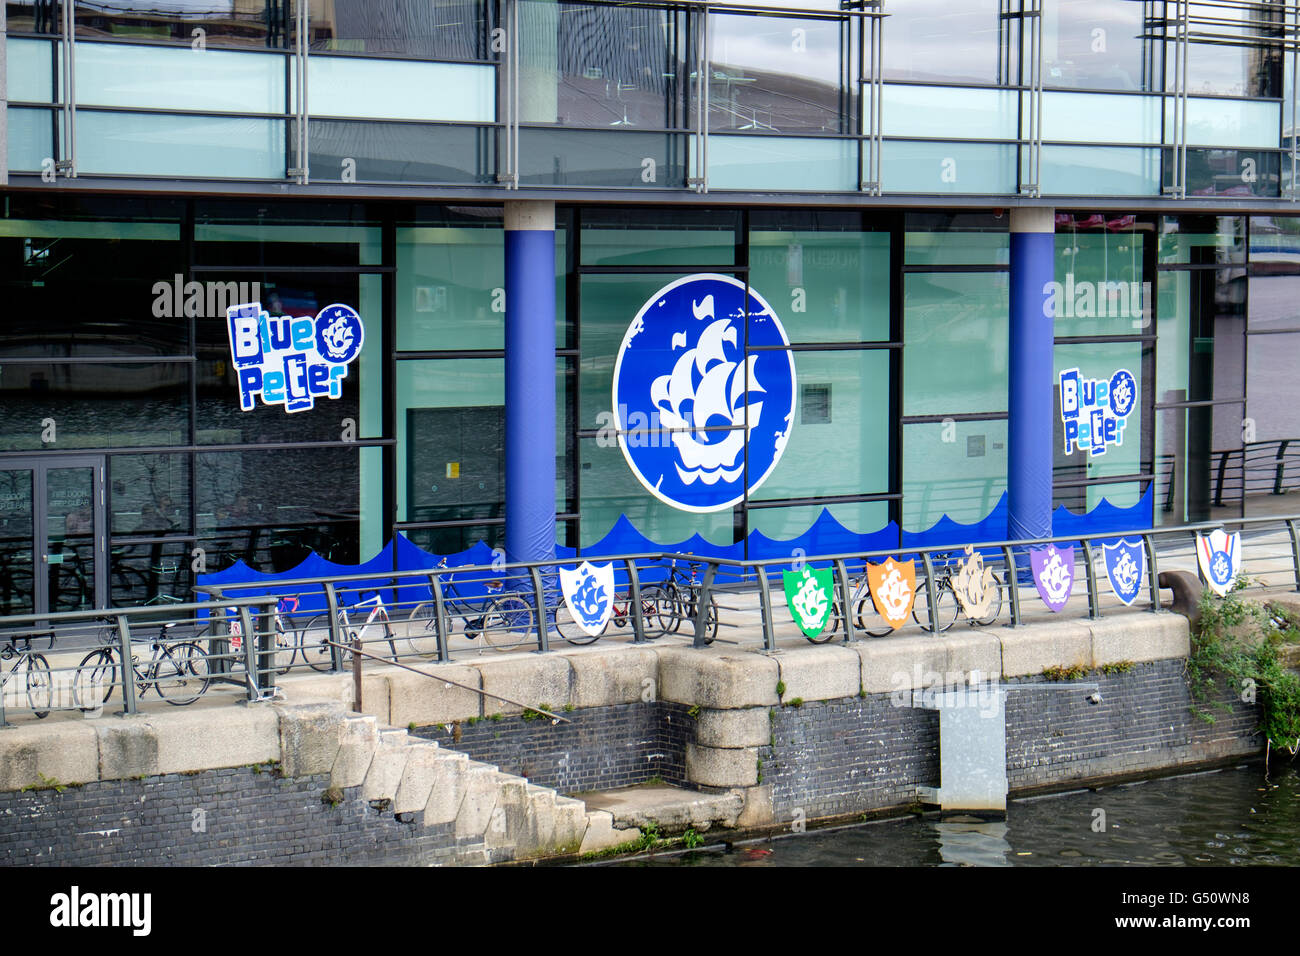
(995,602)
(421,636)
(869,619)
(180,674)
(710,617)
(286,647)
(570,629)
(827,633)
(507,623)
(946,606)
(657,613)
(40,687)
(314,649)
(93,684)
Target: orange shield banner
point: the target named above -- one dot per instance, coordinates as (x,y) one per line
(893,588)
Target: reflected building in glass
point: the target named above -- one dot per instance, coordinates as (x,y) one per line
(870,169)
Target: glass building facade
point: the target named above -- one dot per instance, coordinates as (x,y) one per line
(854,166)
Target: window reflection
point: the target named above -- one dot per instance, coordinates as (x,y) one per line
(772,74)
(1096,45)
(1215,65)
(429,29)
(599,67)
(941,40)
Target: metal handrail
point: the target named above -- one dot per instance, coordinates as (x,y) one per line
(533,580)
(356,704)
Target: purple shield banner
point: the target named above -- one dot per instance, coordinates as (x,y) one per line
(1124,563)
(1053,569)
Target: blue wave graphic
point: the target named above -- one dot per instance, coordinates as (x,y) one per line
(824,536)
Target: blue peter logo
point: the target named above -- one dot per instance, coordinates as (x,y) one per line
(292,361)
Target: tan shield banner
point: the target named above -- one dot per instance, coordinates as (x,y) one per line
(893,589)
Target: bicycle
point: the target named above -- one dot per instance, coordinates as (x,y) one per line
(315,645)
(947,605)
(180,667)
(653,619)
(682,591)
(35,672)
(497,618)
(863,605)
(288,640)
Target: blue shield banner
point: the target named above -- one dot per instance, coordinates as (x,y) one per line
(1124,566)
(589,593)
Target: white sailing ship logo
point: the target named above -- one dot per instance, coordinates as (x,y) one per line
(895,594)
(1126,573)
(1056,578)
(718,400)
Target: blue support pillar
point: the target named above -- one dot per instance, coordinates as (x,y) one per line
(530,381)
(1030,404)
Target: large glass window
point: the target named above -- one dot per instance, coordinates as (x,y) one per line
(956,352)
(773,74)
(953,468)
(1097,45)
(427,29)
(243,510)
(939,40)
(600,67)
(830,286)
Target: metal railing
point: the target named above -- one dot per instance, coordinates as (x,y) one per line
(242,638)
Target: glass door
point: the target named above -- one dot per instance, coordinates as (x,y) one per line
(52,535)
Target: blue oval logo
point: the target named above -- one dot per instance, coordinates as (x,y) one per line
(339,333)
(704,393)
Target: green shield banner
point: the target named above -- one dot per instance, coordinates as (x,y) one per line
(808,595)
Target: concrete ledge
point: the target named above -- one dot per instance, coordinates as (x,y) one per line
(624,675)
(534,679)
(219,737)
(718,767)
(721,680)
(65,752)
(1027,651)
(819,673)
(972,649)
(309,737)
(671,809)
(413,699)
(1139,637)
(751,727)
(900,663)
(128,748)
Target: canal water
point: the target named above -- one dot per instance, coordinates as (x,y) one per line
(1234,816)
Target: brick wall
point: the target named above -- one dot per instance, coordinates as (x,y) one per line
(602,748)
(244,817)
(846,756)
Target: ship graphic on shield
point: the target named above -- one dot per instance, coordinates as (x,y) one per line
(808,595)
(893,589)
(589,593)
(1053,569)
(1219,555)
(1124,564)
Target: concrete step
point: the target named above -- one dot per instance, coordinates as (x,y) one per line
(670,809)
